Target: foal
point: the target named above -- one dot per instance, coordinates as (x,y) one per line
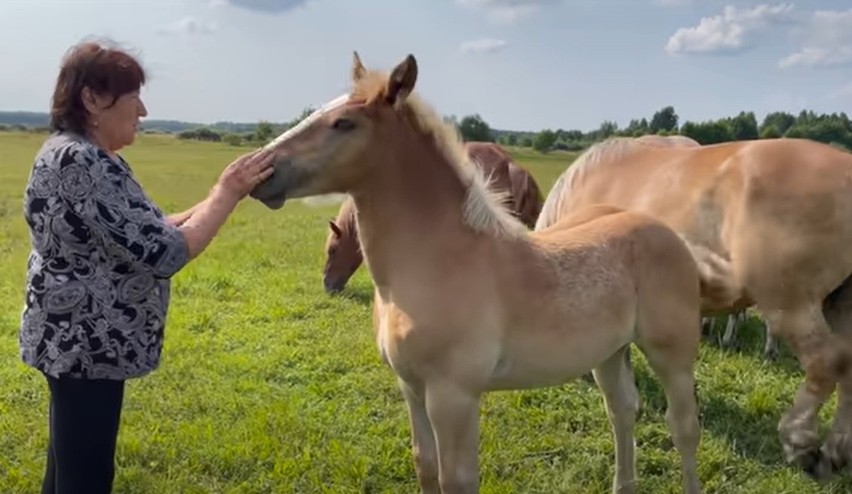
(467,300)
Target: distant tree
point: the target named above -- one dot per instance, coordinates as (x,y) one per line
(665,119)
(264,131)
(607,129)
(474,128)
(232,139)
(544,140)
(709,132)
(770,132)
(782,121)
(744,127)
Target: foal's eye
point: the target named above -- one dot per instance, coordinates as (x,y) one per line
(343,124)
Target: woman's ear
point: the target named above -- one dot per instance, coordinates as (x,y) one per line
(90,101)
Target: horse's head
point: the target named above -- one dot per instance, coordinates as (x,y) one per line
(342,248)
(333,149)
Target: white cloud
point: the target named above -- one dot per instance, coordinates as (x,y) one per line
(827,41)
(188,25)
(483,45)
(730,32)
(266,6)
(507,11)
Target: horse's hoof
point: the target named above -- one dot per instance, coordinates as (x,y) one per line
(838,450)
(816,465)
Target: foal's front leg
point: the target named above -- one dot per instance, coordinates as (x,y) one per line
(423,448)
(454,414)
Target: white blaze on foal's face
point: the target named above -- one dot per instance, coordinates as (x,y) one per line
(313,156)
(308,121)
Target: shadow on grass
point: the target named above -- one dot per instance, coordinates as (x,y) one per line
(357,293)
(751,434)
(749,340)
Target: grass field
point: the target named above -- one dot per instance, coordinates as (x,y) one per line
(268,385)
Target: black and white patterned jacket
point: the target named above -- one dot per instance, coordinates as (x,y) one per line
(98,275)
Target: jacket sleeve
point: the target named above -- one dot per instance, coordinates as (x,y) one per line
(102,195)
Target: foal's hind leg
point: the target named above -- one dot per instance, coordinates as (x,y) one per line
(618,385)
(670,344)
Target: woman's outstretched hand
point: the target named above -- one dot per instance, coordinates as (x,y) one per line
(246,172)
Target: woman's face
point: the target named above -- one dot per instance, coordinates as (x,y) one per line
(117,124)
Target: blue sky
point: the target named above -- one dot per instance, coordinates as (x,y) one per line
(524,65)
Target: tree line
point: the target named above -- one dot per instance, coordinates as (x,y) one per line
(834,129)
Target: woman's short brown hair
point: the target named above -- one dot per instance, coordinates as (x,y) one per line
(106,71)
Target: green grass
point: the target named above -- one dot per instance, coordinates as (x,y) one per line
(269,385)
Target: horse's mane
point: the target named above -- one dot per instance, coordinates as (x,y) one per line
(485,209)
(346,215)
(610,149)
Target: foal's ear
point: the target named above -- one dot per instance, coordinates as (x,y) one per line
(358,69)
(335,228)
(401,81)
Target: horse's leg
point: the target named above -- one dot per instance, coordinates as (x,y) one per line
(807,333)
(838,445)
(770,348)
(733,322)
(618,386)
(423,448)
(454,414)
(707,324)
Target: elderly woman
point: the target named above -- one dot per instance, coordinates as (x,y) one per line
(102,257)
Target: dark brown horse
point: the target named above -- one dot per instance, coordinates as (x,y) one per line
(343,249)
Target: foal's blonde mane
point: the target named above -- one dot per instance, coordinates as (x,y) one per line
(484,209)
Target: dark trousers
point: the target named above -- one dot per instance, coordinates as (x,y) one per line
(84,419)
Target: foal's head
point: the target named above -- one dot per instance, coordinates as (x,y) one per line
(336,146)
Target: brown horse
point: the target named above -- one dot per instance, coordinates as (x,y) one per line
(775,219)
(468,300)
(343,249)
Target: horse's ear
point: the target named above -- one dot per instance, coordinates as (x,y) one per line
(402,80)
(334,228)
(358,69)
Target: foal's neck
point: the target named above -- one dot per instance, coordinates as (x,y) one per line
(410,207)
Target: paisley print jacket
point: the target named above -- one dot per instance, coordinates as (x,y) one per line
(98,274)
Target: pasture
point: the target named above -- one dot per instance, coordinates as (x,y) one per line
(268,385)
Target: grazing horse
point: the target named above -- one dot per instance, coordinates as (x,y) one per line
(774,218)
(342,247)
(468,300)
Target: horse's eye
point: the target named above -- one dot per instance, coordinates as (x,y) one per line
(343,124)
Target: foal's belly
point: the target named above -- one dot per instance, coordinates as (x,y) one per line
(533,361)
